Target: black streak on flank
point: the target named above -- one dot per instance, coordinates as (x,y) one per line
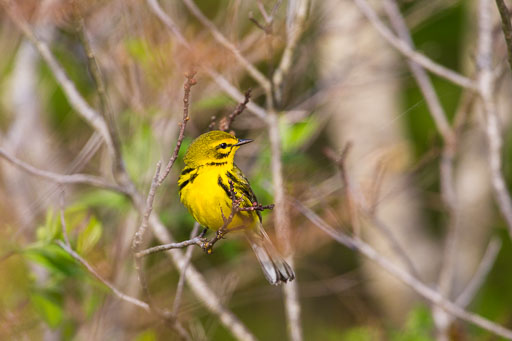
(233,178)
(189,180)
(241,186)
(192,177)
(224,187)
(187,170)
(183,184)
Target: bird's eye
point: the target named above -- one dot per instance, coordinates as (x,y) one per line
(223,145)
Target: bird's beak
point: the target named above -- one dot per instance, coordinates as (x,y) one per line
(243,141)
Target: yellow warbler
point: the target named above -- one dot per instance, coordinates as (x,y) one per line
(205,191)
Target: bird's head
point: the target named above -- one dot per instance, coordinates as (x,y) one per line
(213,147)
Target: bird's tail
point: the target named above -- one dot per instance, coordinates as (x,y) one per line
(274,267)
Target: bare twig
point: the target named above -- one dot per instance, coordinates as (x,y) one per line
(422,78)
(490,255)
(354,205)
(226,122)
(221,81)
(141,231)
(251,69)
(492,129)
(410,53)
(76,100)
(447,158)
(198,241)
(89,268)
(430,294)
(62,179)
(181,282)
(352,208)
(506,27)
(105,108)
(293,34)
(186,103)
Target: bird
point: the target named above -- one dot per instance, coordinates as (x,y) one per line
(205,190)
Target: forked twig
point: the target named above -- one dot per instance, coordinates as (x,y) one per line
(226,122)
(190,82)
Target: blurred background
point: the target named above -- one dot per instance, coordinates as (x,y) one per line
(345,85)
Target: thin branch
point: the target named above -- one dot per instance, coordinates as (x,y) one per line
(62,179)
(181,282)
(447,158)
(226,122)
(492,129)
(221,81)
(485,266)
(352,208)
(141,231)
(76,100)
(105,108)
(186,103)
(506,27)
(251,69)
(293,34)
(422,78)
(89,268)
(410,53)
(396,271)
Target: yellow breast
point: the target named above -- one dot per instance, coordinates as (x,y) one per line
(207,200)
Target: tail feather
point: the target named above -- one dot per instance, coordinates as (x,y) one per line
(274,267)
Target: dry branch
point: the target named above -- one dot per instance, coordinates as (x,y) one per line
(492,127)
(221,81)
(62,179)
(506,27)
(227,121)
(251,69)
(410,53)
(430,294)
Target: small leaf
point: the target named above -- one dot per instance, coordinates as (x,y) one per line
(53,258)
(147,335)
(51,228)
(296,134)
(88,238)
(48,307)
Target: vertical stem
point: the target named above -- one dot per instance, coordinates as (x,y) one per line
(282,226)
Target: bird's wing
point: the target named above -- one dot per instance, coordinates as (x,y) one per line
(242,186)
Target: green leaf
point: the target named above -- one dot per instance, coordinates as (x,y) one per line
(88,238)
(147,335)
(296,134)
(48,307)
(53,258)
(51,229)
(418,327)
